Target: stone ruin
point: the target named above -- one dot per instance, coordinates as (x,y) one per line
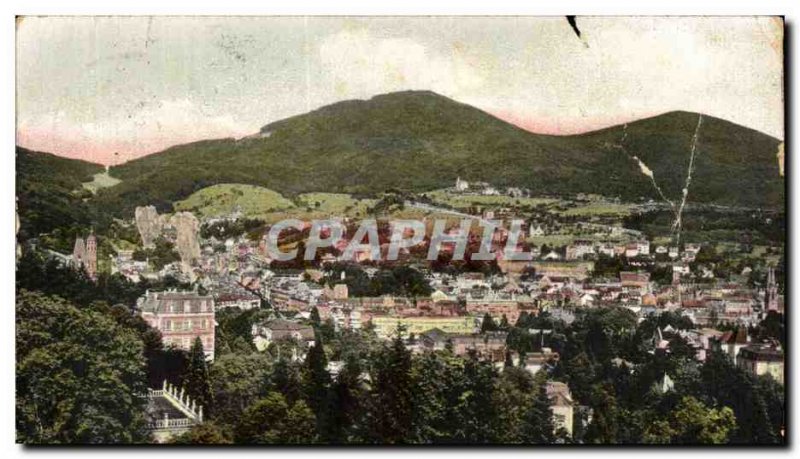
(149,224)
(187,229)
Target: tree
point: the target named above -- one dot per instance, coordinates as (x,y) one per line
(773,394)
(603,428)
(691,422)
(272,421)
(538,426)
(488,324)
(79,375)
(206,433)
(196,379)
(238,382)
(346,404)
(316,382)
(510,398)
(695,423)
(726,385)
(285,379)
(772,327)
(476,414)
(392,409)
(298,429)
(316,321)
(438,386)
(580,376)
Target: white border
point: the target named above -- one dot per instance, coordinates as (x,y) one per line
(347,7)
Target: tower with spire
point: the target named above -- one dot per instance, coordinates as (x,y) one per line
(84,254)
(772,291)
(90,263)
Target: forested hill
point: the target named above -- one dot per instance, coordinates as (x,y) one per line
(419,140)
(49,191)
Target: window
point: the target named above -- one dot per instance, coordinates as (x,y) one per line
(187,306)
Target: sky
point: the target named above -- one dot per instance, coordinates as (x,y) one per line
(111,89)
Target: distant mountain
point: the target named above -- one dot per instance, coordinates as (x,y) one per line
(419,140)
(49,192)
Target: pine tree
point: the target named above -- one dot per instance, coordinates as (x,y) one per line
(346,395)
(392,397)
(477,414)
(317,382)
(504,325)
(488,324)
(316,321)
(438,386)
(604,426)
(539,418)
(196,378)
(522,320)
(285,380)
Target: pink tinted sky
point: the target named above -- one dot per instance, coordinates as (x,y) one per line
(110,89)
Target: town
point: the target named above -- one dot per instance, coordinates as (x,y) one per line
(401,230)
(431,284)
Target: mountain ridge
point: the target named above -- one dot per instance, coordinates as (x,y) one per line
(420,140)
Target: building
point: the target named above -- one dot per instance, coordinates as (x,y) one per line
(461,185)
(242,300)
(278,330)
(385,326)
(491,345)
(497,307)
(634,279)
(433,340)
(535,231)
(579,249)
(345,318)
(631,250)
(732,342)
(535,361)
(578,270)
(762,359)
(84,255)
(562,406)
(180,316)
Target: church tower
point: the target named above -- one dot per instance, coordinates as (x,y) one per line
(772,291)
(90,261)
(78,252)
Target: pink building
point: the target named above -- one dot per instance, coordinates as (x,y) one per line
(180,317)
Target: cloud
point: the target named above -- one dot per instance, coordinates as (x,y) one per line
(361,63)
(150,129)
